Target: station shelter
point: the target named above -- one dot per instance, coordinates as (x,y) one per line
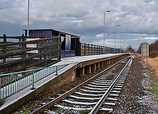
(70,44)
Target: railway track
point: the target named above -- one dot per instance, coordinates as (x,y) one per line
(99,93)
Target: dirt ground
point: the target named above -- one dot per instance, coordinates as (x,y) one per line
(153,63)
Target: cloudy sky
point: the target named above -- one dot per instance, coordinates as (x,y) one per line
(129,22)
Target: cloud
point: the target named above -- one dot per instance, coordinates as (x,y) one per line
(99,35)
(137,19)
(151,38)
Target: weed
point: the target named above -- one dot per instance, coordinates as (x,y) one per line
(154,85)
(84,111)
(26,111)
(58,111)
(154,89)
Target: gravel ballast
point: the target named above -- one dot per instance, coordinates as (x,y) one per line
(135,97)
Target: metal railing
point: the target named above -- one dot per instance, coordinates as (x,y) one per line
(12,83)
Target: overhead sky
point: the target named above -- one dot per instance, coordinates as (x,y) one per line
(137,19)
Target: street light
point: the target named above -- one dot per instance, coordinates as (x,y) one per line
(28,19)
(121,42)
(120,38)
(115,38)
(104,34)
(124,44)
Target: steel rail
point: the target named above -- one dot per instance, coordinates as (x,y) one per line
(102,99)
(59,98)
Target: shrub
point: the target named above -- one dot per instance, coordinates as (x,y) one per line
(153,54)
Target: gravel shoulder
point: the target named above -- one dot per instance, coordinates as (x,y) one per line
(135,97)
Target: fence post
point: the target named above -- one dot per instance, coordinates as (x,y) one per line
(33,76)
(84,48)
(4,47)
(91,48)
(56,72)
(52,47)
(59,48)
(0,88)
(24,54)
(94,49)
(40,50)
(44,51)
(97,49)
(88,49)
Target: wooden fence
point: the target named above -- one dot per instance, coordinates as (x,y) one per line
(91,49)
(20,53)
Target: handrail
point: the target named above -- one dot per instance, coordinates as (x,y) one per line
(12,83)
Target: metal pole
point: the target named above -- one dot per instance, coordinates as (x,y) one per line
(28,19)
(124,44)
(115,39)
(120,39)
(33,76)
(56,71)
(0,88)
(104,36)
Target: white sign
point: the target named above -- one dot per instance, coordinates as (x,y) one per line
(145,49)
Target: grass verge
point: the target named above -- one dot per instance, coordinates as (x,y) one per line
(154,83)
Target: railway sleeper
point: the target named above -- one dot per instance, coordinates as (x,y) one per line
(74,108)
(90,91)
(86,94)
(97,86)
(92,88)
(84,98)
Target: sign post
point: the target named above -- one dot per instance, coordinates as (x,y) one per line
(145,50)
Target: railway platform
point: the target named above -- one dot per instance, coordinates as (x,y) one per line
(69,68)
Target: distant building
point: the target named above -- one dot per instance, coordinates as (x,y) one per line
(70,43)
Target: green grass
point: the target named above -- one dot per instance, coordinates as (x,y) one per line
(84,111)
(154,89)
(154,83)
(26,111)
(58,111)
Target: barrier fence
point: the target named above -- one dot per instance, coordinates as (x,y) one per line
(12,83)
(91,49)
(20,53)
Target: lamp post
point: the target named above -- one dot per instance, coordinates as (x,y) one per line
(115,38)
(120,39)
(104,34)
(124,44)
(28,18)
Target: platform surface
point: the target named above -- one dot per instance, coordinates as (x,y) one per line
(78,59)
(67,60)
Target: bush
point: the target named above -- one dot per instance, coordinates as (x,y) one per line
(153,54)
